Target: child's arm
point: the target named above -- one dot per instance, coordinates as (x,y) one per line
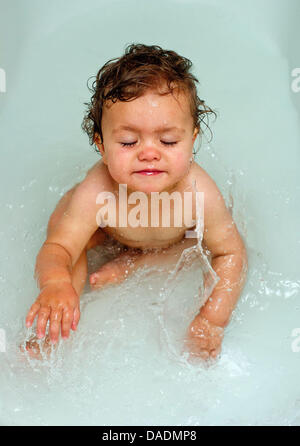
(229,260)
(58,300)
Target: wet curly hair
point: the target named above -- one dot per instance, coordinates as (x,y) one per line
(140,68)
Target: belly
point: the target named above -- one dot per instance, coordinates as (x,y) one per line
(145,238)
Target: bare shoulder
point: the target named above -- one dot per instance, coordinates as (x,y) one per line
(215,210)
(221,235)
(96,180)
(78,223)
(203,181)
(83,206)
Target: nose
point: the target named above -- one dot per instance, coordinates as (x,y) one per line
(149,153)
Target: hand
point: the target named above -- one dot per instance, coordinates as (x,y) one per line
(58,302)
(204,338)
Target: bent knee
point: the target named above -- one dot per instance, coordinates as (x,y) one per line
(97,239)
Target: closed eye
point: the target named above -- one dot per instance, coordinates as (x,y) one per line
(169,143)
(127,144)
(130,144)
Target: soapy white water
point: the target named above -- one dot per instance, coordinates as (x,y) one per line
(124,364)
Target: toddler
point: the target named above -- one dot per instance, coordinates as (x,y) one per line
(143,118)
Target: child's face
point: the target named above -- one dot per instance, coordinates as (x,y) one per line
(147,119)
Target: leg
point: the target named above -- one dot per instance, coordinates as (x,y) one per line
(118,269)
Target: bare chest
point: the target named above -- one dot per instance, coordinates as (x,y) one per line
(148,225)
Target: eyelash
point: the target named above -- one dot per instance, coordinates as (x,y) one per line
(130,144)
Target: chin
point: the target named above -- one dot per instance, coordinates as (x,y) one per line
(148,188)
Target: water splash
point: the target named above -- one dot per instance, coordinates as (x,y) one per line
(182,303)
(125,360)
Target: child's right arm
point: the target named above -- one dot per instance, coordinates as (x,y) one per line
(58,301)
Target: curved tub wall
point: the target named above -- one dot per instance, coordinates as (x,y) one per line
(243,56)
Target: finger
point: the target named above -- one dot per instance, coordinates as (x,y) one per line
(76,318)
(43,317)
(32,313)
(196,351)
(200,343)
(67,318)
(195,347)
(214,353)
(202,354)
(214,342)
(33,349)
(55,320)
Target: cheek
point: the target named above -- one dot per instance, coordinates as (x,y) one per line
(118,164)
(181,162)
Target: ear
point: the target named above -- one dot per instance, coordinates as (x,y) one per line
(100,146)
(196,131)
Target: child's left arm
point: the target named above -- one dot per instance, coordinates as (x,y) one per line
(229,261)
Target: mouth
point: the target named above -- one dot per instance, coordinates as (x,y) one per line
(149,172)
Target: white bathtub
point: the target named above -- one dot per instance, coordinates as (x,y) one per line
(116,370)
